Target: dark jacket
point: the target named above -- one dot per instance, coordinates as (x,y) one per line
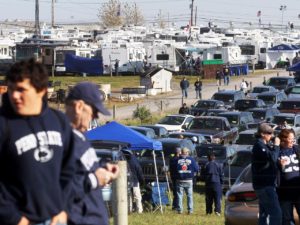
(186,168)
(173,167)
(184,110)
(213,173)
(184,84)
(88,207)
(264,164)
(36,164)
(137,176)
(198,85)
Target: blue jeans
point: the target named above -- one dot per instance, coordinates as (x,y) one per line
(226,80)
(184,92)
(186,187)
(268,206)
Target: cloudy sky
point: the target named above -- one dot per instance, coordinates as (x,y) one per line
(178,11)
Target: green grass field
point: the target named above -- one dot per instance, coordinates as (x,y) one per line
(199,216)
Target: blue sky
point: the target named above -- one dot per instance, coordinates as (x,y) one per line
(218,11)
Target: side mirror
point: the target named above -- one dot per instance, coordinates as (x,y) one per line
(264,83)
(268,119)
(192,106)
(184,127)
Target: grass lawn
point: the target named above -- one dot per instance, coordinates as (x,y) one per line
(199,216)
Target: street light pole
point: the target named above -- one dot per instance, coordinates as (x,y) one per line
(282,9)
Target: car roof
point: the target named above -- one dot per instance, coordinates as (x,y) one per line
(181,115)
(269,93)
(232,113)
(228,91)
(292,100)
(187,134)
(264,86)
(209,100)
(251,131)
(282,77)
(210,117)
(259,109)
(286,114)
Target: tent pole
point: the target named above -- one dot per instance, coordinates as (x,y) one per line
(157,181)
(166,173)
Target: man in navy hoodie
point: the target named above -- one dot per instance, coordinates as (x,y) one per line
(36,151)
(186,168)
(83,104)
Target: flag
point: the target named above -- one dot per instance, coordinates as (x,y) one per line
(259,13)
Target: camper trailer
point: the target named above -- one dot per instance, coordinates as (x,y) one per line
(129,55)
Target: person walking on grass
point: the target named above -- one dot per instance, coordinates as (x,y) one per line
(186,168)
(213,175)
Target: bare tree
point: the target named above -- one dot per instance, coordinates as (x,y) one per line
(132,15)
(110,14)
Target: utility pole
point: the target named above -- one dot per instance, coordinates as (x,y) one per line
(37,18)
(192,8)
(52,13)
(196,16)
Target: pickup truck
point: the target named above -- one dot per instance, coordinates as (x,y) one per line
(214,128)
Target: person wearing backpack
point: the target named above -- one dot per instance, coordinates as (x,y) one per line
(36,151)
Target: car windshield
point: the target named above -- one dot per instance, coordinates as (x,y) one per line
(246,103)
(220,153)
(281,119)
(172,120)
(205,104)
(245,176)
(277,81)
(290,105)
(245,139)
(259,89)
(232,119)
(268,99)
(224,97)
(206,124)
(241,159)
(295,90)
(259,115)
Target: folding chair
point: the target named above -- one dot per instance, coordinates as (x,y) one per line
(159,195)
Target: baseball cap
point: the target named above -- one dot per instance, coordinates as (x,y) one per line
(90,94)
(264,128)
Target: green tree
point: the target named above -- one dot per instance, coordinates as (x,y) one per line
(142,113)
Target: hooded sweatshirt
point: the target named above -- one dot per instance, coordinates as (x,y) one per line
(36,164)
(87,207)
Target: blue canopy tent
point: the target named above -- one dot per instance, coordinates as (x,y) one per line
(114,131)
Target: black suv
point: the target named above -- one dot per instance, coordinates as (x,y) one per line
(222,153)
(244,104)
(263,115)
(281,83)
(272,99)
(202,106)
(229,97)
(169,150)
(237,119)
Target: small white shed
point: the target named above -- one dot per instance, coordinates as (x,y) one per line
(158,79)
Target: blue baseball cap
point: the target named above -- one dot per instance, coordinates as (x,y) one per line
(90,94)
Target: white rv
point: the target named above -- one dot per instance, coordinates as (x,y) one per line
(129,55)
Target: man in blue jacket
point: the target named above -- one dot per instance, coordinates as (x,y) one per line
(213,184)
(36,151)
(83,104)
(264,175)
(186,169)
(184,85)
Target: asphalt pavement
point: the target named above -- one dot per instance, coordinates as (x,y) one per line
(173,100)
